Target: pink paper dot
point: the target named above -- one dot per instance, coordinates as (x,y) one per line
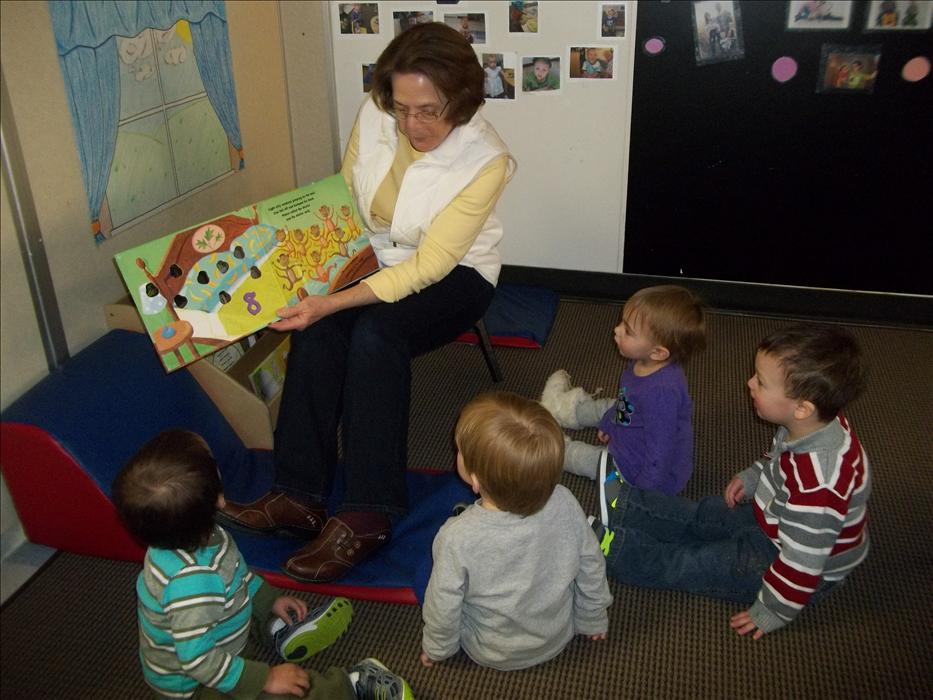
(916,69)
(654,45)
(783,69)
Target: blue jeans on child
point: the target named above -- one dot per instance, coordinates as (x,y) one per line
(702,547)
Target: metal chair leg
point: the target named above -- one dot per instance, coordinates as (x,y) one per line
(488,351)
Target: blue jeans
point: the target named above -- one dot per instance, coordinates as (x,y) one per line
(702,547)
(353,370)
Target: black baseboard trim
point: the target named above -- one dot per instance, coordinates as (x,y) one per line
(803,302)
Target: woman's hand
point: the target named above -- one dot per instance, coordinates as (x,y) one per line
(307,311)
(313,308)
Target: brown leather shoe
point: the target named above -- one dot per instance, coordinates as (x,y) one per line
(273,513)
(335,551)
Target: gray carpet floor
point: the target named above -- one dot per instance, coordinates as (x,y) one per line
(71,632)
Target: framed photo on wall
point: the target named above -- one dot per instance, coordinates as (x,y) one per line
(717,31)
(819,14)
(848,69)
(899,15)
(612,20)
(359,17)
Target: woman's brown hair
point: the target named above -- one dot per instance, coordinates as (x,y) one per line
(443,56)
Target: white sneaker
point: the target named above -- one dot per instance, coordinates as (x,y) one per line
(561,399)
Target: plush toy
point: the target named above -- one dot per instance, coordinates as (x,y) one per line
(562,399)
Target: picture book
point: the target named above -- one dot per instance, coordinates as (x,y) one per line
(207,286)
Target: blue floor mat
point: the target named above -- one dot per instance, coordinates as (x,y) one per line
(403,564)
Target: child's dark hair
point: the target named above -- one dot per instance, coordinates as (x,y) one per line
(822,364)
(542,59)
(167,493)
(673,316)
(514,447)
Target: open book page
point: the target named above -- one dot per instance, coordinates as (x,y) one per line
(205,287)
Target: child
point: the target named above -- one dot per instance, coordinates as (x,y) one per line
(648,427)
(541,78)
(789,528)
(198,599)
(494,86)
(593,66)
(517,574)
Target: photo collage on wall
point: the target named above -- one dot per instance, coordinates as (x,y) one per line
(718,36)
(509,74)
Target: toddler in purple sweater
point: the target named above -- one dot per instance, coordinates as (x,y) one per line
(647,427)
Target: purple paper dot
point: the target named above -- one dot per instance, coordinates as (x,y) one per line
(654,45)
(784,69)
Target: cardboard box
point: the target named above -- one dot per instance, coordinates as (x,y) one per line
(251,418)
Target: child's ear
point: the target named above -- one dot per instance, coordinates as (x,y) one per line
(474,483)
(221,501)
(803,410)
(660,353)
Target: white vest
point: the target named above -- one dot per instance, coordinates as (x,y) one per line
(428,186)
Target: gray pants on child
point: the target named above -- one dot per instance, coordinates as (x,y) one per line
(582,458)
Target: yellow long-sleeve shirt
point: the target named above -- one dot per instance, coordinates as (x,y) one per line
(449,236)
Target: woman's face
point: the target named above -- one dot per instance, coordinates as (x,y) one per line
(412,94)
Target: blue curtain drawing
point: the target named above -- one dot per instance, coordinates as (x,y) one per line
(85,36)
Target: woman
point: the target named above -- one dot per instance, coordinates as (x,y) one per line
(426,171)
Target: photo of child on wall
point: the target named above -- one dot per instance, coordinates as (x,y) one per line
(359,18)
(848,68)
(472,26)
(612,21)
(540,73)
(500,76)
(898,15)
(406,20)
(523,16)
(591,62)
(717,31)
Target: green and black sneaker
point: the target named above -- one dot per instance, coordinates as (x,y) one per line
(319,629)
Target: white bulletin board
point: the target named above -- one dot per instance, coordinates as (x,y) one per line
(565,207)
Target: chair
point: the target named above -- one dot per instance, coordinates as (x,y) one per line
(489,352)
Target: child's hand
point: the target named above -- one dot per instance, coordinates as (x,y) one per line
(598,637)
(287,679)
(426,660)
(734,493)
(284,604)
(742,624)
(602,437)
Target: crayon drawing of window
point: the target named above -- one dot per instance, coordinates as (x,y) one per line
(152,100)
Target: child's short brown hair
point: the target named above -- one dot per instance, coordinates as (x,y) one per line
(167,493)
(514,447)
(673,316)
(822,364)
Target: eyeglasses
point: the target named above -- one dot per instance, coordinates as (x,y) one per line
(428,115)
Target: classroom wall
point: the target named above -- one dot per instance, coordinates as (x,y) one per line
(565,207)
(83,273)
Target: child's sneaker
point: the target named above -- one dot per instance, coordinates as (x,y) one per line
(604,535)
(561,399)
(373,681)
(321,627)
(610,484)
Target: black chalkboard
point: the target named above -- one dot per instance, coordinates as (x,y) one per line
(735,176)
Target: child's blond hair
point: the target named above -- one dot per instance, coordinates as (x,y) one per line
(515,449)
(673,316)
